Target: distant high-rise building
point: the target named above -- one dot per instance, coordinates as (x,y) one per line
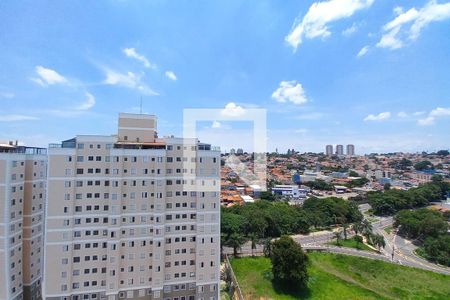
(339,149)
(329,150)
(239,151)
(23,172)
(232,151)
(350,150)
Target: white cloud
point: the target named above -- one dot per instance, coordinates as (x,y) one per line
(131,52)
(315,23)
(395,35)
(16,118)
(426,121)
(380,117)
(171,75)
(438,112)
(88,103)
(363,51)
(290,91)
(233,110)
(350,30)
(398,10)
(48,76)
(129,80)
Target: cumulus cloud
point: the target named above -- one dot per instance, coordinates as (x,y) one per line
(16,118)
(132,53)
(363,51)
(233,110)
(407,26)
(48,77)
(129,80)
(290,91)
(380,117)
(436,113)
(315,23)
(171,75)
(88,103)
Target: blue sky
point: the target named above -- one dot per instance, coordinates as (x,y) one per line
(368,72)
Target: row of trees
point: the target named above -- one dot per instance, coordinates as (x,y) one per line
(266,220)
(391,201)
(362,229)
(429,228)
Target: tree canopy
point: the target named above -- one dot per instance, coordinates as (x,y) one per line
(289,262)
(391,201)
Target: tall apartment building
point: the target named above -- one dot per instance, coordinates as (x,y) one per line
(339,149)
(329,150)
(132,216)
(350,150)
(22,195)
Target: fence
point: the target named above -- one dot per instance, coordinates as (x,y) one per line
(237,293)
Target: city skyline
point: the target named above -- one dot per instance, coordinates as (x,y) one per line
(288,59)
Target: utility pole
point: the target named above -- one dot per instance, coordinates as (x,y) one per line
(141,106)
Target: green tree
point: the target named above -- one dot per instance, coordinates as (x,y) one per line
(359,241)
(442,153)
(387,186)
(420,224)
(236,241)
(267,247)
(378,241)
(366,228)
(423,165)
(253,240)
(289,263)
(338,236)
(353,174)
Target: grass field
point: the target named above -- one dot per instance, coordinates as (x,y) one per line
(334,276)
(351,243)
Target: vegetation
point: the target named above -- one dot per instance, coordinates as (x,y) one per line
(320,185)
(402,164)
(289,263)
(264,219)
(420,224)
(333,276)
(351,243)
(357,182)
(391,201)
(430,229)
(353,174)
(423,165)
(442,153)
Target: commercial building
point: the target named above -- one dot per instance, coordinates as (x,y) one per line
(22,195)
(350,150)
(132,216)
(339,150)
(329,150)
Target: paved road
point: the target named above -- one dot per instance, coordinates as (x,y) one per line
(403,249)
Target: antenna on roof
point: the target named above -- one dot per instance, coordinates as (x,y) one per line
(141,105)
